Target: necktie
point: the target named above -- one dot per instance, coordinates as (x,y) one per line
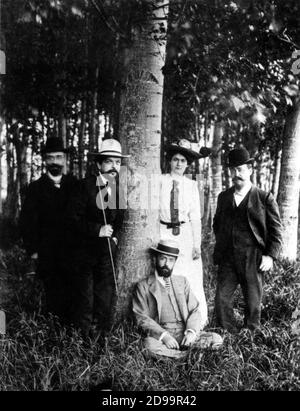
(167,284)
(105,192)
(174,211)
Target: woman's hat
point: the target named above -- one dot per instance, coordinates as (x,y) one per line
(53,145)
(187,148)
(238,157)
(168,247)
(110,148)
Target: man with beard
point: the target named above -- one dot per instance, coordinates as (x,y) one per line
(42,225)
(167,310)
(94,220)
(248,238)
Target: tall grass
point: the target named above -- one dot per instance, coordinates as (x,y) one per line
(38,354)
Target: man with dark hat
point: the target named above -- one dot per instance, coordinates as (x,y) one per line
(42,225)
(248,239)
(94,220)
(167,310)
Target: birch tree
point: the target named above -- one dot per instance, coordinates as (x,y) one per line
(288,196)
(140,136)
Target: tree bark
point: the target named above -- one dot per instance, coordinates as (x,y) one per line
(275,183)
(216,166)
(288,196)
(93,111)
(140,135)
(81,138)
(1,153)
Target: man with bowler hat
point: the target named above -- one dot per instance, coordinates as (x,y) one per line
(248,230)
(42,225)
(167,310)
(94,220)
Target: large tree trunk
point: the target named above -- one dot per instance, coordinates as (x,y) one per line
(288,196)
(140,135)
(216,166)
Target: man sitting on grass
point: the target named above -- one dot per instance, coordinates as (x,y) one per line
(165,307)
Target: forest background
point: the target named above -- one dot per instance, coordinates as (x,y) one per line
(218,73)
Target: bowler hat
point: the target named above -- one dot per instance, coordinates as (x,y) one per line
(169,247)
(109,148)
(53,145)
(186,148)
(238,157)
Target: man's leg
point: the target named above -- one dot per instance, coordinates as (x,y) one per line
(104,287)
(54,288)
(252,287)
(82,298)
(227,283)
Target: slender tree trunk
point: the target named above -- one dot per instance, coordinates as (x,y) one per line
(275,183)
(288,195)
(93,111)
(10,206)
(19,141)
(62,127)
(140,135)
(1,173)
(81,138)
(216,166)
(207,197)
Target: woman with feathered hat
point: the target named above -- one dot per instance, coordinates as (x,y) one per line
(180,217)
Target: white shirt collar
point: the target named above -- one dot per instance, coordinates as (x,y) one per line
(244,191)
(55,179)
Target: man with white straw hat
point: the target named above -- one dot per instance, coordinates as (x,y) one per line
(167,310)
(94,220)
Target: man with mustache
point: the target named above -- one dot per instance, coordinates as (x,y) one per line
(167,310)
(94,219)
(42,225)
(247,228)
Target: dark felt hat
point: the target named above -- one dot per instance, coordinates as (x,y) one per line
(186,148)
(238,157)
(53,145)
(169,247)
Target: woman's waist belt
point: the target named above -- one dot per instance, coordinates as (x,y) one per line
(172,225)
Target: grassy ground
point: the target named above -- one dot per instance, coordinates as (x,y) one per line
(38,354)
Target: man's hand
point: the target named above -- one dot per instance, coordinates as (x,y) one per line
(170,342)
(106,231)
(196,253)
(188,339)
(266,263)
(34,256)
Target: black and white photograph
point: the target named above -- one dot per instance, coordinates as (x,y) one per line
(149,198)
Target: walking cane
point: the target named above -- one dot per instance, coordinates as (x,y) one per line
(109,245)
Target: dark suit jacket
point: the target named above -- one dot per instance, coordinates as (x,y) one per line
(146,305)
(263,218)
(84,217)
(42,216)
